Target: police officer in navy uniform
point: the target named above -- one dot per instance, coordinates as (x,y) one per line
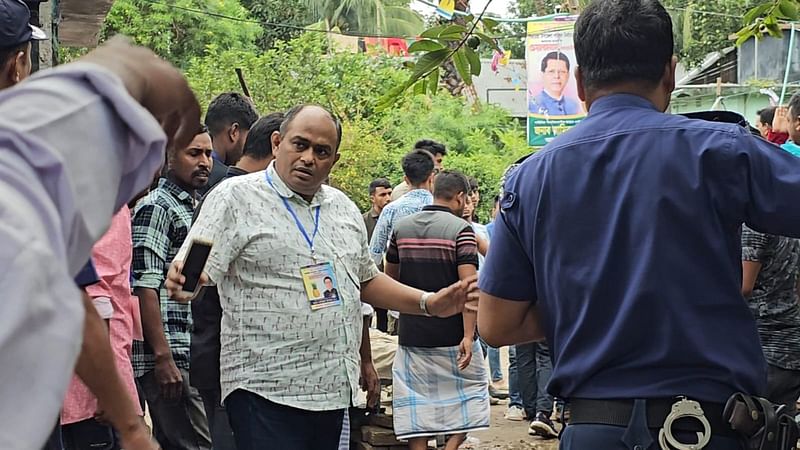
(619,243)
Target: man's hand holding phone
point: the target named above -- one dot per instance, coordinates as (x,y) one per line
(185,279)
(176,280)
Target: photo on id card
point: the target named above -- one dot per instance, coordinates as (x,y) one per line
(321,286)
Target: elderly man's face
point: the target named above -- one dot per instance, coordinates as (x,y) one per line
(556,77)
(305,155)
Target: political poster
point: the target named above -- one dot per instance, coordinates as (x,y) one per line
(553,103)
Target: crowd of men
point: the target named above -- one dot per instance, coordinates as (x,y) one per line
(640,264)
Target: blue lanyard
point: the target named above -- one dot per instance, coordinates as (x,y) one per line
(309,240)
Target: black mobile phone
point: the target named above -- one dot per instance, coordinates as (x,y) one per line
(194,264)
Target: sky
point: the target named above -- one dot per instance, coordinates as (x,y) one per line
(498,7)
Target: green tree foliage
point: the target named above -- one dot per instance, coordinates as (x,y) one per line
(705,26)
(284,12)
(301,70)
(765,16)
(389,17)
(178,30)
(482,143)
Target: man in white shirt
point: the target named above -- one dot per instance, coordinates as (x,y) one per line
(290,356)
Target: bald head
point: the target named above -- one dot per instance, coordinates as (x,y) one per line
(306,148)
(315,113)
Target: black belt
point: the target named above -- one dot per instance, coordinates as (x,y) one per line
(618,413)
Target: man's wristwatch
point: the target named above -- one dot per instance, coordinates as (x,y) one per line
(423,302)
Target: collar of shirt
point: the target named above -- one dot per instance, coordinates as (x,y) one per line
(437,208)
(373,214)
(419,194)
(791,147)
(176,191)
(284,191)
(616,101)
(550,98)
(216,157)
(234,171)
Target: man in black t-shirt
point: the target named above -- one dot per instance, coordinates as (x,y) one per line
(430,250)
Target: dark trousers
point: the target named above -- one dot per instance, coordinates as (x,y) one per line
(54,441)
(636,436)
(607,437)
(221,432)
(261,424)
(783,387)
(177,424)
(382,317)
(530,369)
(89,434)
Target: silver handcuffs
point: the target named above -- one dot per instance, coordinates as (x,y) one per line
(684,408)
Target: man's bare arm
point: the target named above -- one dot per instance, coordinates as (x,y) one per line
(98,370)
(468,272)
(508,322)
(750,271)
(166,371)
(384,292)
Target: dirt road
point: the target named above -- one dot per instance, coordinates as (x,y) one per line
(508,435)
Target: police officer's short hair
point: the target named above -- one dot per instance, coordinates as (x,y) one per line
(623,40)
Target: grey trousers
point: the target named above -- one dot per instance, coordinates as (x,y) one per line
(177,424)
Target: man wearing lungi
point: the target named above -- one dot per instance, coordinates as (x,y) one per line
(439,387)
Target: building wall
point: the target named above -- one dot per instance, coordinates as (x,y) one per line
(745,103)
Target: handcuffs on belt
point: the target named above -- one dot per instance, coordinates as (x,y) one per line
(681,409)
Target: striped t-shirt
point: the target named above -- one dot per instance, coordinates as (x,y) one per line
(429,246)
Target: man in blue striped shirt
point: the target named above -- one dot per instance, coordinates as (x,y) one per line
(418,169)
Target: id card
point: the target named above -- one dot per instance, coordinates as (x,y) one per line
(321,286)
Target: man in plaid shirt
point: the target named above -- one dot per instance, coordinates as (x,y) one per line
(161,363)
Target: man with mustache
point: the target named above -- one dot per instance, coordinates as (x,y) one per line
(289,360)
(161,222)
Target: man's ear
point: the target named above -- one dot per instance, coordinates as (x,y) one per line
(233,132)
(579,82)
(276,142)
(670,72)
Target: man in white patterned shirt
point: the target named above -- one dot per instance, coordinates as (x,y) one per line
(290,356)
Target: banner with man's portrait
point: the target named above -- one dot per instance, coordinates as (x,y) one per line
(553,103)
